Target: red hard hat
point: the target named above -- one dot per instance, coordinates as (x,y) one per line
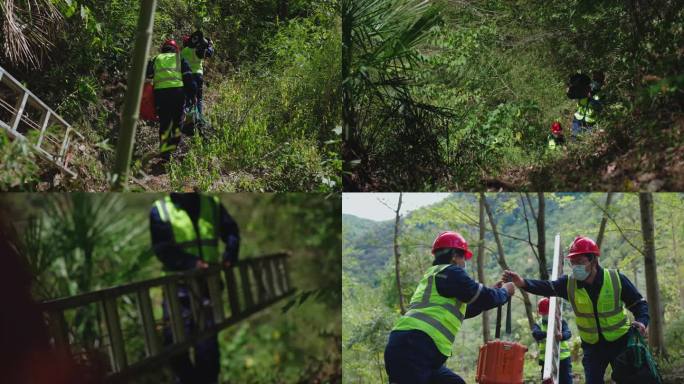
(543,306)
(170,43)
(451,239)
(556,128)
(582,245)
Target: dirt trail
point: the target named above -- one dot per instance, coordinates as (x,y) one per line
(153,174)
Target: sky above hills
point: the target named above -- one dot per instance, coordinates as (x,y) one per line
(380,206)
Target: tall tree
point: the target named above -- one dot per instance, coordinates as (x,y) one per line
(480,266)
(604,220)
(538,249)
(673,229)
(541,235)
(504,265)
(397,255)
(656,338)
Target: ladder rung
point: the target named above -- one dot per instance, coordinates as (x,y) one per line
(61,154)
(19,110)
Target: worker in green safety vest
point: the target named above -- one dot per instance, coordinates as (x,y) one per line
(423,337)
(172,79)
(586,92)
(186,229)
(197,48)
(539,331)
(598,298)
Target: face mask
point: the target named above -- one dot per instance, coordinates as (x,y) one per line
(579,272)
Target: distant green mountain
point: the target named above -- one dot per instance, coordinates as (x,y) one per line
(367,246)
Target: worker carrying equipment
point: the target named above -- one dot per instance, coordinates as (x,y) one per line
(423,337)
(604,334)
(539,331)
(196,49)
(581,88)
(172,81)
(186,229)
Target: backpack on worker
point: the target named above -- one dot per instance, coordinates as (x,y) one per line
(579,86)
(636,365)
(501,362)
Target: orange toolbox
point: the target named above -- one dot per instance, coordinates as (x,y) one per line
(501,362)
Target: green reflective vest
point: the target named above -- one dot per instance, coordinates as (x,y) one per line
(611,314)
(167,71)
(586,111)
(201,242)
(196,63)
(552,143)
(564,347)
(438,316)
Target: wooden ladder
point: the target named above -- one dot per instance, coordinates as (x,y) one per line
(24,116)
(234,294)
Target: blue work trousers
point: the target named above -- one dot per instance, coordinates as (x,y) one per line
(206,368)
(411,357)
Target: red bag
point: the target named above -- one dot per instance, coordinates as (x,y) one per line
(148,110)
(501,362)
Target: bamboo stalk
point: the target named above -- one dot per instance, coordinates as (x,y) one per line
(136,79)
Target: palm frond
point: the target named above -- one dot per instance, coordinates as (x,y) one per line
(27,28)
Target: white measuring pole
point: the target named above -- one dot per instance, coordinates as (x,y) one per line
(552,353)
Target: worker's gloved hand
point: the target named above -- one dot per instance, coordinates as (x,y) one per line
(499,284)
(514,278)
(200,264)
(510,288)
(641,328)
(559,336)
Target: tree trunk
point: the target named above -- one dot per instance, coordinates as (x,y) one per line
(604,220)
(636,276)
(678,263)
(502,262)
(397,255)
(380,367)
(656,337)
(480,267)
(541,237)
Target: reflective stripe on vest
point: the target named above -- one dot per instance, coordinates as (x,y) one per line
(611,315)
(195,62)
(585,111)
(564,347)
(167,71)
(438,316)
(184,233)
